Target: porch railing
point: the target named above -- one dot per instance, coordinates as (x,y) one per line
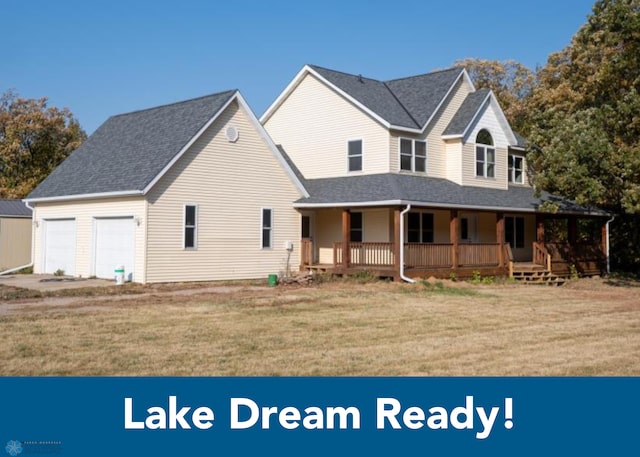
(479,254)
(584,257)
(427,255)
(541,255)
(365,254)
(418,255)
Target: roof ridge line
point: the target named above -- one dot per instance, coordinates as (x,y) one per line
(424,74)
(230,91)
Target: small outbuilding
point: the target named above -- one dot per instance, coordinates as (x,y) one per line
(15,234)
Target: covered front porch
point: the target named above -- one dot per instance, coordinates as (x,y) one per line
(443,243)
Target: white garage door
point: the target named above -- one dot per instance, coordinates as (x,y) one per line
(114,246)
(60,246)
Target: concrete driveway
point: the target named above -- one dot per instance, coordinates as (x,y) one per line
(51,282)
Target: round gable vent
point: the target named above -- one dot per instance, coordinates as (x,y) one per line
(232,134)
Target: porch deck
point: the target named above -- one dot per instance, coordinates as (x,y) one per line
(443,260)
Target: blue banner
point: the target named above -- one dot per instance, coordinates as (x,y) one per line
(319,416)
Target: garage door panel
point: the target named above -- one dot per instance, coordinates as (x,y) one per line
(114,246)
(60,246)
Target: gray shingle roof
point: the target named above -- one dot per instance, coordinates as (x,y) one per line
(422,94)
(522,141)
(129,150)
(466,112)
(14,208)
(430,192)
(407,102)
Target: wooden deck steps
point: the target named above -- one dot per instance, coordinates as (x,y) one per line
(529,273)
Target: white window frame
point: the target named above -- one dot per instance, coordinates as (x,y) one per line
(353,140)
(194,227)
(413,154)
(269,228)
(485,162)
(511,169)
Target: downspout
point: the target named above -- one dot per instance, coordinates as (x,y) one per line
(6,272)
(402,276)
(607,230)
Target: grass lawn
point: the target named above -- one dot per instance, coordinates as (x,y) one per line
(342,328)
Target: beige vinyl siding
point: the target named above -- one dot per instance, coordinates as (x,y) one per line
(230,183)
(453,152)
(84,212)
(314,124)
(376,226)
(437,162)
(328,230)
(15,242)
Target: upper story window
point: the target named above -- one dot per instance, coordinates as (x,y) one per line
(516,164)
(354,155)
(485,155)
(413,155)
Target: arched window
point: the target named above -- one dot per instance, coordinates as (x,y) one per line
(485,155)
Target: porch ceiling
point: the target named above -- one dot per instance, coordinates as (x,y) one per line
(401,189)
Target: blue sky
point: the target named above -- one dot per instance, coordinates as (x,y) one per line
(100,58)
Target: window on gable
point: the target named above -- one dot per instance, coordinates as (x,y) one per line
(516,169)
(354,154)
(514,231)
(413,155)
(190,220)
(420,228)
(485,155)
(267,228)
(355,234)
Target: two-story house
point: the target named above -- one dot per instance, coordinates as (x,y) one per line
(420,176)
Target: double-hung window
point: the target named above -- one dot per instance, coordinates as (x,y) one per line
(420,228)
(190,226)
(354,155)
(515,169)
(413,155)
(267,228)
(485,155)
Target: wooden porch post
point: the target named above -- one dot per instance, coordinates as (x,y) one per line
(346,238)
(453,237)
(540,228)
(500,237)
(396,242)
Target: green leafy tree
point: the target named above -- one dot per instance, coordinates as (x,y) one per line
(509,80)
(584,118)
(34,139)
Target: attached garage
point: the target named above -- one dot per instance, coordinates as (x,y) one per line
(60,246)
(114,246)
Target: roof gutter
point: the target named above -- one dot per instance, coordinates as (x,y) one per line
(402,275)
(124,193)
(22,267)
